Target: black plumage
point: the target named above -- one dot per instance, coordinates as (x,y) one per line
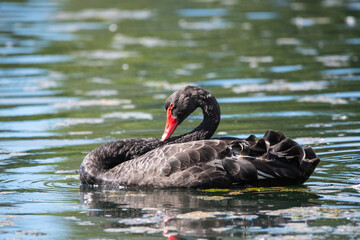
(195,160)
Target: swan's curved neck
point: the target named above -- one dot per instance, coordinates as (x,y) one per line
(211,120)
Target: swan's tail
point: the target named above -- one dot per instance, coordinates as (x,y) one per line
(273,160)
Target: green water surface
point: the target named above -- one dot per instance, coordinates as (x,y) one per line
(77,74)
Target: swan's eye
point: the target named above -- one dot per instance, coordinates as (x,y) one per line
(172,107)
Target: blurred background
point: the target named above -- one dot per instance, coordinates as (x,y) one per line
(76,74)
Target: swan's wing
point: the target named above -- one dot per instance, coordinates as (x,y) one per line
(172,165)
(196,164)
(271,161)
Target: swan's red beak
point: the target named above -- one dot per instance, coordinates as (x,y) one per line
(171,124)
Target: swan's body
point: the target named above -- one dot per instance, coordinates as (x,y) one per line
(194,160)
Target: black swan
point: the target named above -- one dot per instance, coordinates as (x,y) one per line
(193,160)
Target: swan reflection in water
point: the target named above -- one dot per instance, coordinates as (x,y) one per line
(188,212)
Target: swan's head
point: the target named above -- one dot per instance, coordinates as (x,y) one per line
(180,105)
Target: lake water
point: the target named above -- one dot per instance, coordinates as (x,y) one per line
(77,74)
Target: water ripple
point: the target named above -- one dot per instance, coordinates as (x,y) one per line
(20,71)
(27,93)
(25,12)
(282,86)
(36,100)
(353,41)
(128,115)
(227,83)
(17,50)
(261,15)
(103,14)
(276,98)
(27,134)
(288,68)
(204,12)
(27,111)
(35,59)
(285,114)
(38,144)
(207,25)
(341,71)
